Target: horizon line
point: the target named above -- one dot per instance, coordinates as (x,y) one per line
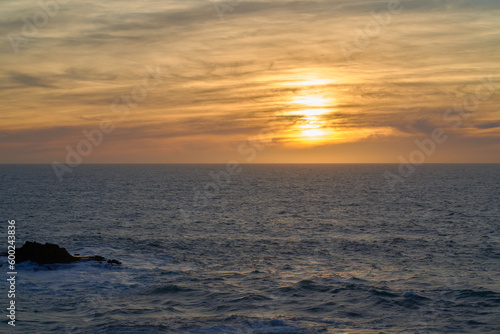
(256,163)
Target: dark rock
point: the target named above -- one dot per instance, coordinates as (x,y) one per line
(52,253)
(43,254)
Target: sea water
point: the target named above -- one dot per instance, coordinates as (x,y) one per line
(264,249)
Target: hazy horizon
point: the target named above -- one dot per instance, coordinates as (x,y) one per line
(260,163)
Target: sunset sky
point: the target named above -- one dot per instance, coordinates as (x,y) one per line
(337,81)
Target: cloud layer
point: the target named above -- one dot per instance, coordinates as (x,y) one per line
(226,77)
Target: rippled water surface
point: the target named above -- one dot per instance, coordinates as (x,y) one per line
(271,249)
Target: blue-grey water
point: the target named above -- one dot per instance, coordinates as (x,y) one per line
(271,249)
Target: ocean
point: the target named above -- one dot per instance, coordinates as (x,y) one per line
(257,249)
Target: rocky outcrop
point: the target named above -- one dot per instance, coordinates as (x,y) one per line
(52,253)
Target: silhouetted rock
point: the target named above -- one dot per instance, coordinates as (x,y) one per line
(52,253)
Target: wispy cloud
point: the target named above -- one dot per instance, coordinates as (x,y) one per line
(228,79)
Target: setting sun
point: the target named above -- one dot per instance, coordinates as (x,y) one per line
(311,123)
(314,133)
(269,166)
(194,88)
(312,101)
(311,112)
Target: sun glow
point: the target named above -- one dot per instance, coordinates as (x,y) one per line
(310,112)
(311,126)
(311,82)
(314,134)
(311,122)
(312,129)
(313,101)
